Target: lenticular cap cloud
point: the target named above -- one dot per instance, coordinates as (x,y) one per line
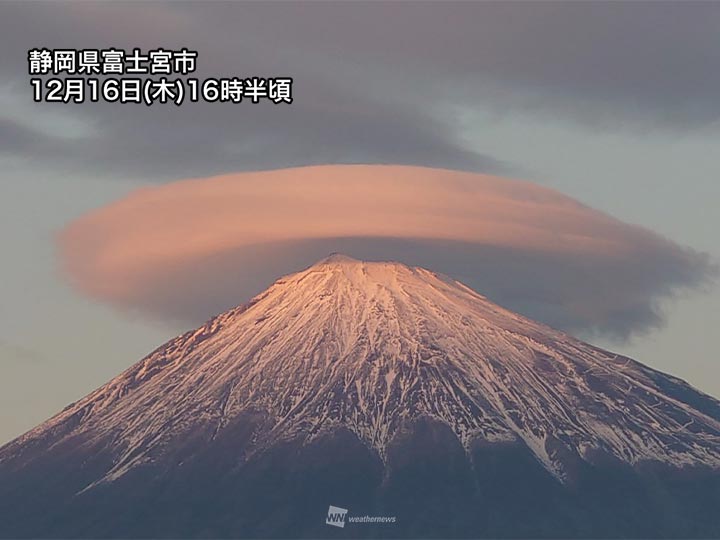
(192,248)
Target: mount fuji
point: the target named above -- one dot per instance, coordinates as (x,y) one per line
(384,390)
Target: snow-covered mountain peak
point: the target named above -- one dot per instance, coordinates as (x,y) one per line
(372,347)
(336,258)
(362,274)
(372,281)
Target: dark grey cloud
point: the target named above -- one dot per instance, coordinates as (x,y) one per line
(374,81)
(331,121)
(16,138)
(12,352)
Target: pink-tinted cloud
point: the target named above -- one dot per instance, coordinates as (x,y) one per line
(188,249)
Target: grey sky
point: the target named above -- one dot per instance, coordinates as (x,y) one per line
(615,104)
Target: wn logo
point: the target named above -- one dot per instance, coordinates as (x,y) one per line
(336,516)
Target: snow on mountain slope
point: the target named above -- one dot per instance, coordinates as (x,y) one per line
(372,347)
